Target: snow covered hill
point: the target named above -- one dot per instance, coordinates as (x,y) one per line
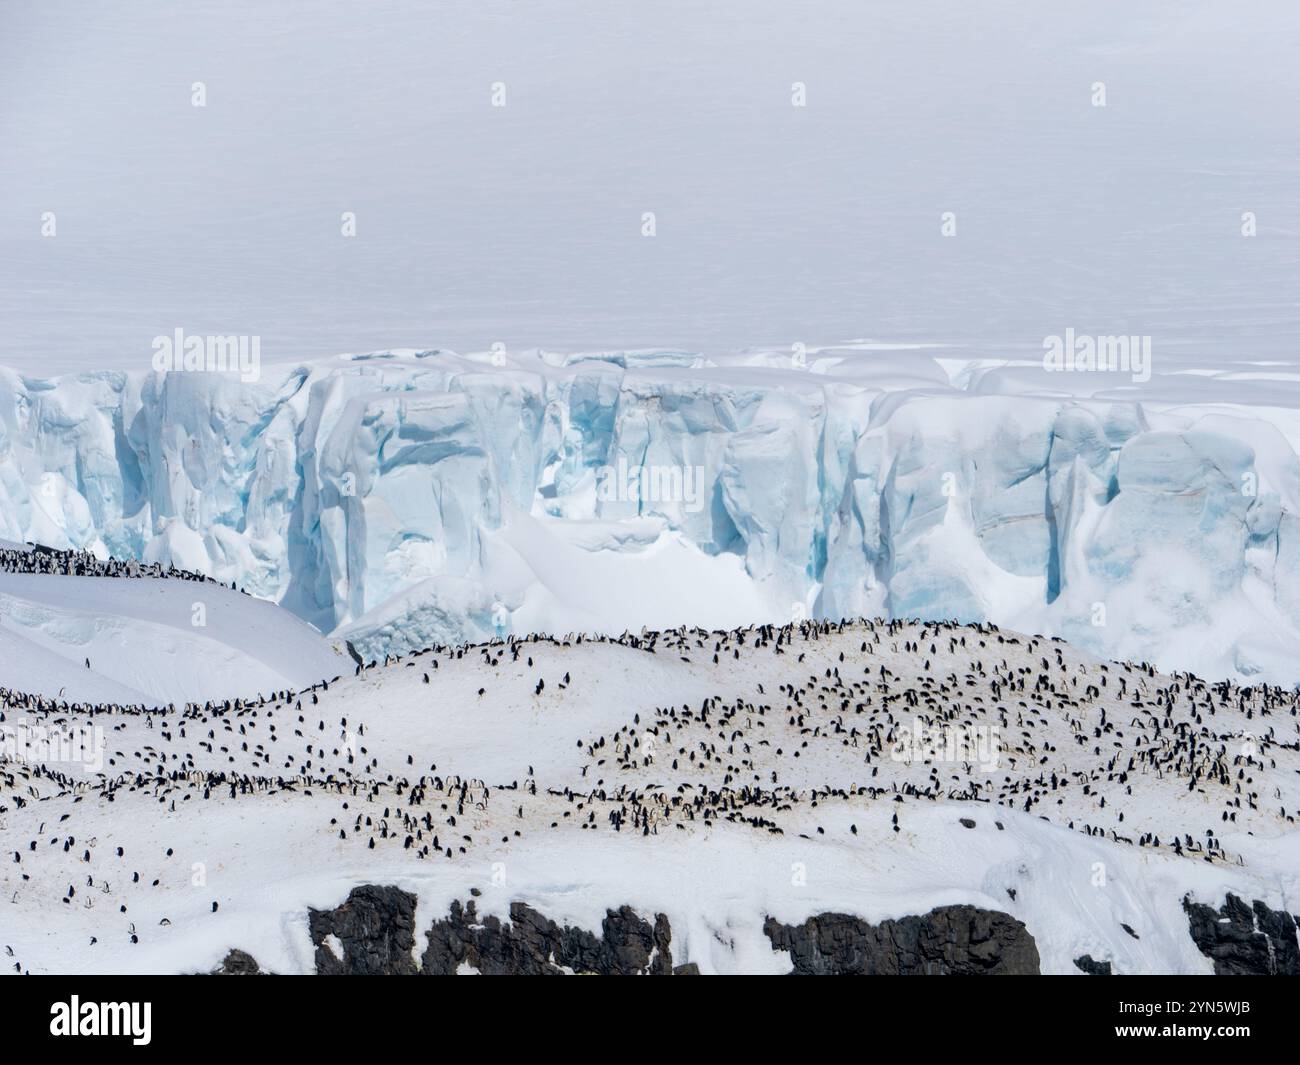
(408,498)
(736,783)
(151,642)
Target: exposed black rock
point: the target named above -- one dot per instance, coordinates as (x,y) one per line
(960,940)
(1245,940)
(376,934)
(238,963)
(531,944)
(376,927)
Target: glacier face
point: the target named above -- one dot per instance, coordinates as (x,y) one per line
(409,497)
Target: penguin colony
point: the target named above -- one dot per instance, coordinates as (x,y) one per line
(758,727)
(47,560)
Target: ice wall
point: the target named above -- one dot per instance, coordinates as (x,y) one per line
(412,497)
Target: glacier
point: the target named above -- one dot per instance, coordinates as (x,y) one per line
(407,498)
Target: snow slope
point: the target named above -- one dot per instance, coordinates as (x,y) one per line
(151,642)
(765,765)
(406,498)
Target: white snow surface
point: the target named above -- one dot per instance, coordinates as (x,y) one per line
(408,498)
(329,769)
(151,642)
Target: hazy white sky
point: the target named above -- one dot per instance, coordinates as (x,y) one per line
(522,224)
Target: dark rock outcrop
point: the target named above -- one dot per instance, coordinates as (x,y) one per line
(376,928)
(533,945)
(1087,964)
(956,940)
(1245,940)
(238,963)
(374,932)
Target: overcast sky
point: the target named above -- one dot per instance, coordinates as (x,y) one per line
(523,225)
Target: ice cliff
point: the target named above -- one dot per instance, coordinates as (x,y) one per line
(411,497)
